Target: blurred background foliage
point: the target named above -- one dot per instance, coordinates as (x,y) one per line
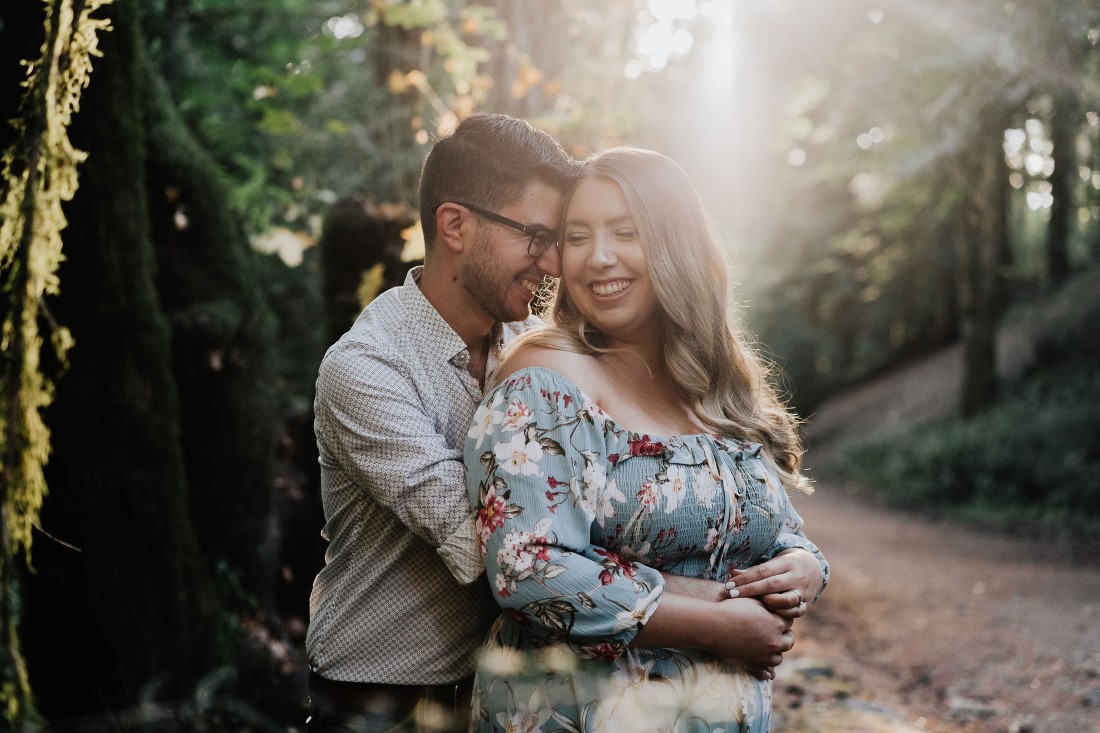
(892,176)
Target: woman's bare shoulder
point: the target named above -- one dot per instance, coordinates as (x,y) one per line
(581,369)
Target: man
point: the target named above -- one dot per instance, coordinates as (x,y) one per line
(398,612)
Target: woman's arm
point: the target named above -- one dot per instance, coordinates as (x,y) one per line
(537,473)
(741,631)
(700,588)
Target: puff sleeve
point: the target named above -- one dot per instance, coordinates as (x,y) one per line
(537,471)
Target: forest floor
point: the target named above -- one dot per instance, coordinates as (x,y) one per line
(932,625)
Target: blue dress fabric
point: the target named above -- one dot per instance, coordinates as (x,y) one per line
(576,518)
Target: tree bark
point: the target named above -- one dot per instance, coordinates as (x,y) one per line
(1063,134)
(132,609)
(983,251)
(222,343)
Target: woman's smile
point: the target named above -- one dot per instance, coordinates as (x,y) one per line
(605,288)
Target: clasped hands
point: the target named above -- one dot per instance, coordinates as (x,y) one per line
(785,584)
(768,598)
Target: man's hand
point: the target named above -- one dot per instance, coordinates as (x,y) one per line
(785,584)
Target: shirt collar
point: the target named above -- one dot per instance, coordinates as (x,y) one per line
(434,330)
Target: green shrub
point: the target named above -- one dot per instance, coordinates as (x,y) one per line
(1034,455)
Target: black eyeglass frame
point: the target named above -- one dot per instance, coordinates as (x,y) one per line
(533,232)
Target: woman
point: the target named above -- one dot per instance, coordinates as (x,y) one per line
(631,461)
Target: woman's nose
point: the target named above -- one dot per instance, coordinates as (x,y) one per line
(603,252)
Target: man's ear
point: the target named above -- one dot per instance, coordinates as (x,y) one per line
(453,226)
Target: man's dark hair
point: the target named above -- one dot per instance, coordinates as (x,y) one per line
(488,160)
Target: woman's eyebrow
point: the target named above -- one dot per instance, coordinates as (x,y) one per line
(611,222)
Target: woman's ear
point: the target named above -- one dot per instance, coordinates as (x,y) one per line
(453,225)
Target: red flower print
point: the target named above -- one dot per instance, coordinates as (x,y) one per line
(613,459)
(605,650)
(649,495)
(567,400)
(543,553)
(643,446)
(491,515)
(614,564)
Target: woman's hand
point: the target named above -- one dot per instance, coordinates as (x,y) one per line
(742,631)
(749,636)
(785,584)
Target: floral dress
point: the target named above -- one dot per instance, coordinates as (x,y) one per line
(575,517)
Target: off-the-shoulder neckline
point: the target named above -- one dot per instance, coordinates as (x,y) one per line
(654,437)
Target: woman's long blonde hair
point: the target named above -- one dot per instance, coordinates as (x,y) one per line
(707,352)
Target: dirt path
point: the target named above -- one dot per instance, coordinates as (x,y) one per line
(931,626)
(928,625)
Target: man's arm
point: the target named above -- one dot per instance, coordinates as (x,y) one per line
(372,424)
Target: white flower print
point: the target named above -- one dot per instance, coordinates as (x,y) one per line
(517,416)
(485,418)
(712,540)
(629,673)
(521,549)
(526,721)
(502,585)
(706,489)
(514,557)
(650,496)
(581,499)
(600,501)
(518,457)
(594,476)
(593,410)
(673,488)
(643,609)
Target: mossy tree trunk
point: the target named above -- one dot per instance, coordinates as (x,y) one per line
(164,427)
(133,609)
(222,344)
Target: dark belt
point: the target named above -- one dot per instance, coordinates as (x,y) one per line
(378,697)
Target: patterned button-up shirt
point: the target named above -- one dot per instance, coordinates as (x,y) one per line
(400,599)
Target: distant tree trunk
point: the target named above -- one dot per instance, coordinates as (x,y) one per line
(222,341)
(525,84)
(355,238)
(132,609)
(1094,199)
(983,252)
(1063,135)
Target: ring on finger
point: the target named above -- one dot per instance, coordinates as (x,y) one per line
(798,593)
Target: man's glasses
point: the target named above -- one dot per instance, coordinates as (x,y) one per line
(541,240)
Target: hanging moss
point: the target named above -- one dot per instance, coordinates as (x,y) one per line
(39,174)
(131,612)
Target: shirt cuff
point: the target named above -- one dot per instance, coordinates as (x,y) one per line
(462,553)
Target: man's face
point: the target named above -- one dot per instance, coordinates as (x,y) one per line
(498,273)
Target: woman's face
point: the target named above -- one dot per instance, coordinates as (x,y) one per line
(604,264)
